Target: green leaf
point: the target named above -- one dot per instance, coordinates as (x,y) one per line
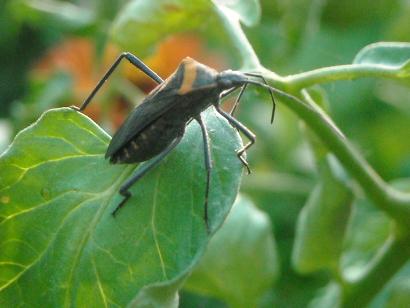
(248,11)
(329,296)
(368,230)
(396,293)
(240,263)
(62,14)
(163,294)
(42,95)
(367,234)
(390,54)
(400,295)
(321,225)
(142,24)
(60,245)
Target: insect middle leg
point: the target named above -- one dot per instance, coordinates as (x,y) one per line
(134,61)
(244,130)
(208,165)
(142,171)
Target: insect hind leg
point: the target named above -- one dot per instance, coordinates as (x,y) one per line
(134,61)
(126,194)
(142,171)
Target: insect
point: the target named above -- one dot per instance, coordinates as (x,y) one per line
(154,128)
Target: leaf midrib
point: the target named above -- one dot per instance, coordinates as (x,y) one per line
(91,226)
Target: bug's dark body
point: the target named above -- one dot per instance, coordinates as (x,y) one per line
(156,126)
(164,113)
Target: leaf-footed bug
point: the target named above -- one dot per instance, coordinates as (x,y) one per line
(154,128)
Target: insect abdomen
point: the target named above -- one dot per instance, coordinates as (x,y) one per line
(148,143)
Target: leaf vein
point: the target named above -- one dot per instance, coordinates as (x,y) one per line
(100,287)
(154,231)
(105,142)
(41,164)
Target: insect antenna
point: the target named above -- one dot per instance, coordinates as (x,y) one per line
(268,87)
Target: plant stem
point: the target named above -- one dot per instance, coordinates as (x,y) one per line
(394,254)
(250,60)
(394,203)
(340,72)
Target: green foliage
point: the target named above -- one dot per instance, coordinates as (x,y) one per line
(391,54)
(249,12)
(158,21)
(243,251)
(66,15)
(164,18)
(57,196)
(400,291)
(321,226)
(342,242)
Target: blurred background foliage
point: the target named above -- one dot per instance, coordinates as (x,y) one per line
(52,53)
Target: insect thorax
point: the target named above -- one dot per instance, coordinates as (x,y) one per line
(194,76)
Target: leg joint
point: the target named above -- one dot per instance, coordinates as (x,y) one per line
(124,191)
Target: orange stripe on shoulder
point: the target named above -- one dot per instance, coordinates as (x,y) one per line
(190,73)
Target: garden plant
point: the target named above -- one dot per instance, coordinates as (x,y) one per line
(322,221)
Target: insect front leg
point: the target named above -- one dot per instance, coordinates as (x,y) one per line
(142,171)
(134,61)
(244,130)
(238,99)
(208,165)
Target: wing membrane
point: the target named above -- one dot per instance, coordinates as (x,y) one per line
(152,107)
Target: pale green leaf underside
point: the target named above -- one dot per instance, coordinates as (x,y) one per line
(59,243)
(389,54)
